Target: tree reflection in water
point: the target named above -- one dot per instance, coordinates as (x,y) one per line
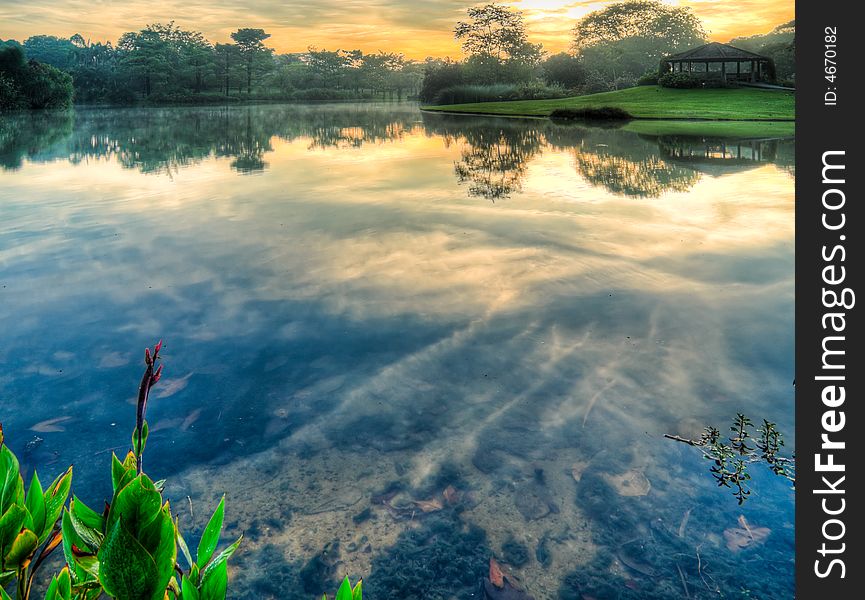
(156,140)
(494,153)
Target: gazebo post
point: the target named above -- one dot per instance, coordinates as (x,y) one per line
(724,71)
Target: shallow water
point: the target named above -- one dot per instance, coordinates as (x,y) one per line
(396,340)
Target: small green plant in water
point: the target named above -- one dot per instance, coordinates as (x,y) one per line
(732,455)
(346,592)
(128,551)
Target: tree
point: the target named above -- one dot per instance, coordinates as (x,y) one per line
(253,52)
(497,45)
(196,57)
(779,45)
(51,50)
(147,55)
(328,64)
(565,70)
(227,60)
(31,84)
(623,40)
(438,75)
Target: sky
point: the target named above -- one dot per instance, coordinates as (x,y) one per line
(418,28)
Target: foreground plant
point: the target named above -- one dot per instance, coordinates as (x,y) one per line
(128,551)
(27,521)
(346,592)
(732,455)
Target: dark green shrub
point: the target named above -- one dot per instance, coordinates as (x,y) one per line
(650,77)
(438,76)
(45,86)
(31,84)
(564,70)
(679,81)
(462,94)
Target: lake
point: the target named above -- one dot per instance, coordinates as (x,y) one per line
(402,343)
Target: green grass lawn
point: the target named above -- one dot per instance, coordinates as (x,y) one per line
(652,102)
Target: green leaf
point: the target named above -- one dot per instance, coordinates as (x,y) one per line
(21,549)
(10,524)
(64,584)
(55,497)
(210,537)
(86,515)
(83,567)
(35,503)
(357,591)
(188,590)
(138,503)
(139,445)
(87,523)
(214,583)
(87,590)
(181,543)
(344,592)
(117,472)
(129,461)
(220,558)
(126,570)
(9,476)
(51,592)
(161,543)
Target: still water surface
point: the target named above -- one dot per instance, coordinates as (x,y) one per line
(403,343)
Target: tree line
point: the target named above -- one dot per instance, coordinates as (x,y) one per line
(165,63)
(612,48)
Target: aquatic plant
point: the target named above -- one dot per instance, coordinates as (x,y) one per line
(128,551)
(346,592)
(731,456)
(27,521)
(443,558)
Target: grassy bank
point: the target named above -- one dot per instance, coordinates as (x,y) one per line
(652,102)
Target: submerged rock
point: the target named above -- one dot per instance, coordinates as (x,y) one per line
(515,553)
(630,483)
(534,500)
(543,554)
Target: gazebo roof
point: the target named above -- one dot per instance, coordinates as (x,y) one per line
(716,51)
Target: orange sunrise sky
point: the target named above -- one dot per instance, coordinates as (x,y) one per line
(418,28)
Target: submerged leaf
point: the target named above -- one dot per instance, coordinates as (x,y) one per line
(51,425)
(745,536)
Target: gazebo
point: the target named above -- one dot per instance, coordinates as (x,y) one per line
(720,61)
